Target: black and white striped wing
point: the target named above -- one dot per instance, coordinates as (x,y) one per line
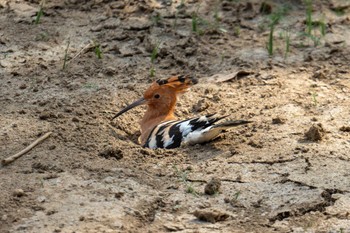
(171,134)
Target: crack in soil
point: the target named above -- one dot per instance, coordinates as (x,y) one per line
(312,207)
(265,162)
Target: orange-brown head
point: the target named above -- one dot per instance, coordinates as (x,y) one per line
(160,98)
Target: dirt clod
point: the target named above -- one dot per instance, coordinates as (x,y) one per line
(18,193)
(211,215)
(345,128)
(278,120)
(111,152)
(23,86)
(213,186)
(315,133)
(47,115)
(201,105)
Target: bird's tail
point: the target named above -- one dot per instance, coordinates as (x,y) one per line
(229,124)
(211,132)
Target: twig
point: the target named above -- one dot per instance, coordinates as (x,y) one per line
(66,55)
(83,50)
(28,148)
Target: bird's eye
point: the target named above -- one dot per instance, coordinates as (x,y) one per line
(156,96)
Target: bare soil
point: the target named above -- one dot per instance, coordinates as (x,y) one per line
(289,171)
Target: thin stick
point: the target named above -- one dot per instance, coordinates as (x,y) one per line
(83,50)
(66,55)
(28,148)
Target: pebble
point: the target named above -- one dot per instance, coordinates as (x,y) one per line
(18,193)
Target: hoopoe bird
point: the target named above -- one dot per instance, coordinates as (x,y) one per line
(159,126)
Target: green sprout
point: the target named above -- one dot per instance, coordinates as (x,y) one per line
(287,39)
(40,12)
(152,72)
(183,177)
(194,22)
(154,55)
(323,27)
(98,51)
(66,55)
(314,98)
(274,19)
(308,16)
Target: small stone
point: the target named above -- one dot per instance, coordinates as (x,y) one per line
(75,119)
(119,195)
(18,193)
(212,187)
(173,227)
(81,218)
(52,147)
(314,119)
(4,217)
(23,86)
(41,199)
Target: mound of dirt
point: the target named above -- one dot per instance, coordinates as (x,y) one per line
(315,133)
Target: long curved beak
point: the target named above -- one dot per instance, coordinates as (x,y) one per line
(127,108)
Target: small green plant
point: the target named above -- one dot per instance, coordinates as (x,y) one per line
(308,16)
(287,39)
(323,27)
(179,8)
(156,19)
(236,30)
(40,12)
(194,22)
(314,39)
(339,11)
(97,50)
(183,177)
(274,19)
(314,98)
(65,59)
(152,71)
(91,86)
(216,13)
(41,181)
(190,189)
(222,58)
(42,36)
(236,195)
(154,55)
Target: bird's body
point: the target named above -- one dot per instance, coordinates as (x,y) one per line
(174,133)
(159,126)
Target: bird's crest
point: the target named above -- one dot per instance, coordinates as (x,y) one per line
(179,84)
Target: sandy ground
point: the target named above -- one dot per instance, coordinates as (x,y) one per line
(286,172)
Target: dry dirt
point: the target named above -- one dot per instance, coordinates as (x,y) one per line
(289,171)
